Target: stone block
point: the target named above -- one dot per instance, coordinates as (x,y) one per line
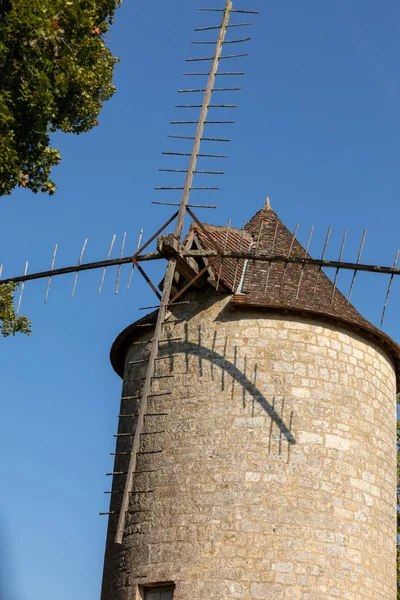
(276,478)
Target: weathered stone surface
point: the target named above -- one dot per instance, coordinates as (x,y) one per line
(277,474)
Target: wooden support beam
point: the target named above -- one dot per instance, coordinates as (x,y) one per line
(169,275)
(169,246)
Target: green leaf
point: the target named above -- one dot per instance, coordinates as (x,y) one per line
(55,74)
(11,323)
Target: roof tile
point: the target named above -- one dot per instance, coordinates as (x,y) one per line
(280,285)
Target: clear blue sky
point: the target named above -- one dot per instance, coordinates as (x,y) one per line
(317,129)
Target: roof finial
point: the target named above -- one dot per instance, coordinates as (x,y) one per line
(267,202)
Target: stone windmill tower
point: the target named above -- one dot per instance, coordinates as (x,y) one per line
(267,463)
(256,448)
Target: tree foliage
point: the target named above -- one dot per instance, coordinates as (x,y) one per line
(55,74)
(10,323)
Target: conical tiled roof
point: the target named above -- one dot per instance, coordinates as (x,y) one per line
(276,286)
(228,271)
(261,283)
(292,285)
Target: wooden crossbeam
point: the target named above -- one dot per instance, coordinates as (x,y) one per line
(185,266)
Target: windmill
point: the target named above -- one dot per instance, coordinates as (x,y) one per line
(232,262)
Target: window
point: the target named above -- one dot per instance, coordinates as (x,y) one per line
(158,593)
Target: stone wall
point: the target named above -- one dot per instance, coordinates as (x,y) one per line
(269,466)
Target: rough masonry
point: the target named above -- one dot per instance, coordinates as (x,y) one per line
(268,464)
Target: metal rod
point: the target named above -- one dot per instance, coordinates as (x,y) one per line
(328,235)
(197,189)
(228,27)
(77,273)
(247,12)
(203,229)
(207,122)
(237,41)
(272,251)
(119,453)
(22,289)
(51,269)
(358,260)
(305,256)
(256,251)
(231,73)
(289,253)
(389,288)
(147,471)
(237,263)
(191,205)
(226,41)
(188,137)
(160,341)
(211,58)
(337,270)
(199,155)
(155,235)
(209,106)
(146,278)
(195,91)
(158,306)
(133,265)
(197,172)
(127,417)
(259,237)
(119,266)
(108,258)
(209,172)
(224,249)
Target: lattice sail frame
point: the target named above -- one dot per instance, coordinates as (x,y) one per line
(184,208)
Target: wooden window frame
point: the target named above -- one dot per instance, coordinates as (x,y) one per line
(154,587)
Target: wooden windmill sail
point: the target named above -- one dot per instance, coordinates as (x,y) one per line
(172,262)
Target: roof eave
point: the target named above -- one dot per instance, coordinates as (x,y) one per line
(385,342)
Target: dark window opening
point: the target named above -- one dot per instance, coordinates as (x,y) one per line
(158,593)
